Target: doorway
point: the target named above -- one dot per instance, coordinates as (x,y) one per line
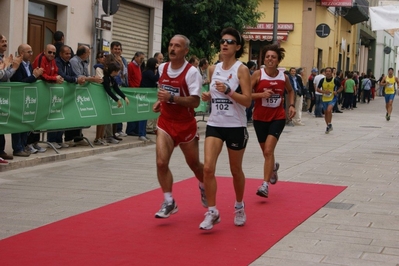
(42,24)
(40,33)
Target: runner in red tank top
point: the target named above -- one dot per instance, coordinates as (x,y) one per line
(180,88)
(269,113)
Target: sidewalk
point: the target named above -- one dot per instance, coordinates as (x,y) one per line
(80,151)
(358,227)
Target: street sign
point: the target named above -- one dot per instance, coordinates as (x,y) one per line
(103,24)
(323,30)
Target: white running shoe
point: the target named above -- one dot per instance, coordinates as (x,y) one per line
(55,145)
(31,149)
(240,218)
(166,210)
(39,148)
(263,191)
(274,177)
(211,218)
(121,134)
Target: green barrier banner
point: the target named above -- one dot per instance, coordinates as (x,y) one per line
(47,106)
(203,107)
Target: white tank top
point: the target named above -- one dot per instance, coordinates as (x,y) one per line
(225,111)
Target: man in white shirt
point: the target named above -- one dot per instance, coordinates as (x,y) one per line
(318,95)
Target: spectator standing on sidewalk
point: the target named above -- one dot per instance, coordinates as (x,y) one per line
(269,85)
(80,67)
(8,67)
(249,111)
(59,39)
(380,91)
(311,89)
(100,129)
(150,77)
(134,79)
(180,88)
(152,123)
(297,86)
(230,94)
(121,80)
(339,78)
(25,73)
(366,87)
(111,70)
(318,102)
(349,92)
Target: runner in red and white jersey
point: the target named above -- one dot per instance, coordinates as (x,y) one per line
(178,95)
(269,113)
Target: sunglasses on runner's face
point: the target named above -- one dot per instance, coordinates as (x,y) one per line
(229,41)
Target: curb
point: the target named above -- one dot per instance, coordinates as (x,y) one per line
(43,159)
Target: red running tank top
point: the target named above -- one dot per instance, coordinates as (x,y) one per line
(270,109)
(178,87)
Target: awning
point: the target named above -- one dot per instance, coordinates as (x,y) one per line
(265,36)
(356,15)
(384,17)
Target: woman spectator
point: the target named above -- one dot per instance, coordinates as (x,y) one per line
(111,69)
(381,91)
(99,68)
(149,79)
(230,91)
(269,113)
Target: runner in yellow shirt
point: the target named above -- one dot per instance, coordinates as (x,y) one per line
(389,82)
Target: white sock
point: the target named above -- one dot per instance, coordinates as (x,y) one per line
(265,184)
(212,209)
(168,197)
(239,205)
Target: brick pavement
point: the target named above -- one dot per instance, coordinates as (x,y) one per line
(359,227)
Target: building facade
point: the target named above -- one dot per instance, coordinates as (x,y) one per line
(137,24)
(313,33)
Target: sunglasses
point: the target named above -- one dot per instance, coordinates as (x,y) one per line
(229,41)
(51,52)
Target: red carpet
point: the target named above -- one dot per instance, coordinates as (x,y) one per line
(126,232)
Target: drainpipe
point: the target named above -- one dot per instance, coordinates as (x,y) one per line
(275,21)
(94,34)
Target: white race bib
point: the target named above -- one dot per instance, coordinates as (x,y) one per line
(222,106)
(172,90)
(273,101)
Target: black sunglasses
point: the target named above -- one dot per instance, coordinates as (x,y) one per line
(51,52)
(229,41)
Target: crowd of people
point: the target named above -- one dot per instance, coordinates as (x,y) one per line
(268,97)
(57,64)
(331,91)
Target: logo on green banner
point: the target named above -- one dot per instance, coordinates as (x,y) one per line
(56,103)
(84,103)
(143,103)
(5,105)
(114,107)
(30,105)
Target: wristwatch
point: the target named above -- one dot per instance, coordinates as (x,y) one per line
(228,89)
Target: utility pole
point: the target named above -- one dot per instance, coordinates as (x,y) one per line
(275,21)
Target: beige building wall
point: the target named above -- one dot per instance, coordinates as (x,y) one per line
(303,46)
(74,17)
(326,45)
(290,11)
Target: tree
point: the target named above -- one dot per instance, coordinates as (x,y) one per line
(203,20)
